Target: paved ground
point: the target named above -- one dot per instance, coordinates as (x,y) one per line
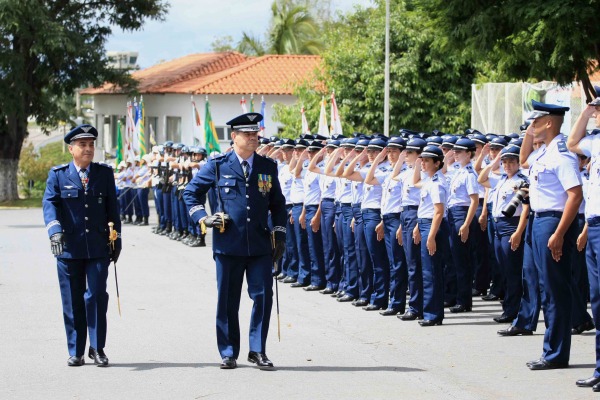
(164,346)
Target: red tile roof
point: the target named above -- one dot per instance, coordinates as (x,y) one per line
(223,73)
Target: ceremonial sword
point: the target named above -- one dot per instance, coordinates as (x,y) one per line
(112,237)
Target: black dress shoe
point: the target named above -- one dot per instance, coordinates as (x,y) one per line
(372,307)
(596,387)
(281,276)
(326,291)
(313,288)
(228,363)
(586,326)
(360,303)
(98,356)
(543,364)
(298,284)
(477,292)
(345,298)
(288,279)
(449,303)
(261,360)
(503,319)
(338,294)
(409,316)
(589,382)
(490,297)
(514,331)
(430,322)
(459,308)
(389,311)
(76,361)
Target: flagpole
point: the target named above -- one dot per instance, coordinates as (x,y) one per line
(386,101)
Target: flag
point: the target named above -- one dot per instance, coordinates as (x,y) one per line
(243,104)
(119,155)
(263,105)
(152,139)
(141,133)
(197,124)
(251,103)
(136,127)
(336,124)
(323,128)
(305,128)
(128,151)
(212,140)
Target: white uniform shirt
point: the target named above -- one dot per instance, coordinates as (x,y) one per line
(286,178)
(504,193)
(434,191)
(554,170)
(391,198)
(328,183)
(297,195)
(357,187)
(585,181)
(373,193)
(463,184)
(590,145)
(411,195)
(312,188)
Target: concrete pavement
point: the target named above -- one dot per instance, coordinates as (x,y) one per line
(164,345)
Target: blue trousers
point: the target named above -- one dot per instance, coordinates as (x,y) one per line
(84,308)
(593,266)
(365,266)
(142,202)
(289,262)
(481,271)
(462,254)
(397,263)
(511,263)
(555,288)
(302,246)
(175,210)
(167,209)
(530,304)
(158,204)
(498,281)
(339,234)
(412,254)
(433,272)
(230,277)
(379,258)
(350,254)
(126,198)
(579,314)
(315,249)
(330,244)
(450,290)
(183,214)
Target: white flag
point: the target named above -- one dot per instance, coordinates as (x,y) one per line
(336,124)
(305,128)
(323,128)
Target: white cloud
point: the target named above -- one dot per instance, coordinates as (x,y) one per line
(192,25)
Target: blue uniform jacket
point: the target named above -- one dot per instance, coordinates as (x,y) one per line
(81,216)
(247,203)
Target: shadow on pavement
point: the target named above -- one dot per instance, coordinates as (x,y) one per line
(306,368)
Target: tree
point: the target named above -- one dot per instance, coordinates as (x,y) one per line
(541,40)
(222,44)
(429,89)
(48,49)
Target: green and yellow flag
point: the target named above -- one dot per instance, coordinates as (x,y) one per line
(119,154)
(212,140)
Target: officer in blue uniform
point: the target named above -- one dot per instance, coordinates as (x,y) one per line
(247,189)
(555,194)
(79,203)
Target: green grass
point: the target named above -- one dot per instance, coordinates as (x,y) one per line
(21,203)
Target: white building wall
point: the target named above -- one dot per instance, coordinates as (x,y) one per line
(223,108)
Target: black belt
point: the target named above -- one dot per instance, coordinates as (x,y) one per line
(328,199)
(297,204)
(355,204)
(480,202)
(462,208)
(595,221)
(410,207)
(548,214)
(346,204)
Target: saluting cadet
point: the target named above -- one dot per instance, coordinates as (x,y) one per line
(358,159)
(336,164)
(555,194)
(289,262)
(510,223)
(389,227)
(590,147)
(411,197)
(248,189)
(157,188)
(165,173)
(310,218)
(489,152)
(463,200)
(430,231)
(297,197)
(142,181)
(481,268)
(327,210)
(79,202)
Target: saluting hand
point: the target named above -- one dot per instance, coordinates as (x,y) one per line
(555,244)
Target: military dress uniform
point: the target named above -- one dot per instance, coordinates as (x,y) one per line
(289,263)
(78,204)
(245,246)
(554,170)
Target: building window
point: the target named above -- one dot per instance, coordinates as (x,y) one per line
(174,129)
(222,132)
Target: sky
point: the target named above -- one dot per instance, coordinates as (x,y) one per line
(192,25)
